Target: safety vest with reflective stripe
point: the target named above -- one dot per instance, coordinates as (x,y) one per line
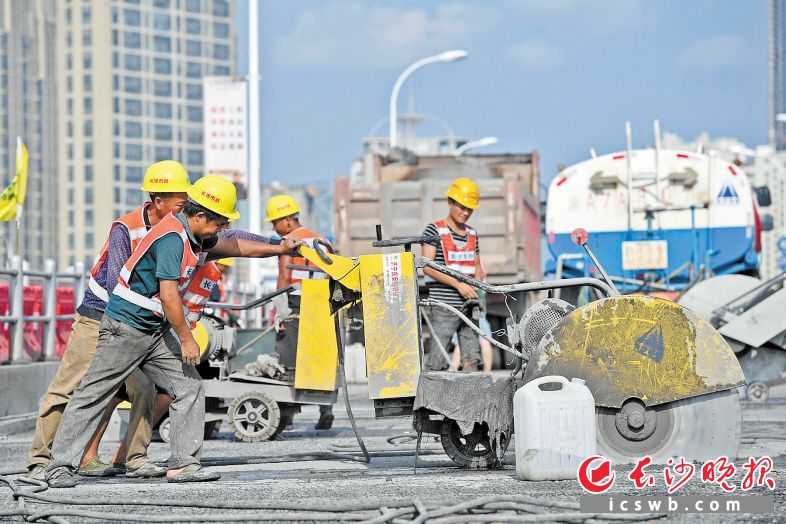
(197,294)
(135,224)
(457,258)
(169,224)
(298,275)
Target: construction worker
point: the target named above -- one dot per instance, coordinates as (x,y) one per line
(283,212)
(458,249)
(167,183)
(142,323)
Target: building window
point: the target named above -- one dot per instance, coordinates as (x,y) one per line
(193,70)
(69,129)
(70,173)
(194,135)
(220,30)
(194,157)
(71,196)
(88,127)
(89,240)
(134,174)
(87,82)
(88,173)
(132,39)
(220,8)
(133,84)
(133,152)
(162,88)
(69,83)
(194,113)
(69,62)
(221,52)
(162,44)
(162,66)
(161,22)
(193,48)
(163,132)
(163,153)
(133,62)
(221,70)
(115,82)
(68,15)
(87,61)
(86,17)
(133,107)
(70,217)
(88,195)
(88,150)
(70,151)
(161,3)
(88,217)
(132,17)
(133,130)
(193,27)
(162,110)
(193,6)
(88,103)
(117,199)
(68,39)
(116,105)
(87,37)
(115,38)
(69,106)
(194,91)
(115,60)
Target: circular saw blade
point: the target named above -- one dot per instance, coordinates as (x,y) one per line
(698,428)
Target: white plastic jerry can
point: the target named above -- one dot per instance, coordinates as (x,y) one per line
(554,428)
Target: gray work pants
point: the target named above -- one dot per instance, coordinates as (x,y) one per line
(446,324)
(121,349)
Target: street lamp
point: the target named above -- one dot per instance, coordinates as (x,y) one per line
(447,56)
(481,142)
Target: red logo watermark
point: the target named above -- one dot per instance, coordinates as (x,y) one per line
(596,475)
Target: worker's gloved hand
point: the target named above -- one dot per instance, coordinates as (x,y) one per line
(289,246)
(283,311)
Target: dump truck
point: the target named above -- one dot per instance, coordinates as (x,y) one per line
(403,196)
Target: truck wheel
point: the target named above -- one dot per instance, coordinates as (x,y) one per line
(473,451)
(254,417)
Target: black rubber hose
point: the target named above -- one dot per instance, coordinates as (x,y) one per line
(345,387)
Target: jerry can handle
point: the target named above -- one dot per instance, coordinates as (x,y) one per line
(551,379)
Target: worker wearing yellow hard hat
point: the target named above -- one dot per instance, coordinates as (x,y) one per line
(457,248)
(283,212)
(143,321)
(166,182)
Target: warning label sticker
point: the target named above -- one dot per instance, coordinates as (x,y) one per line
(394,292)
(728,195)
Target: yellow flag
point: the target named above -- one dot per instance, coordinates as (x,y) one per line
(14,195)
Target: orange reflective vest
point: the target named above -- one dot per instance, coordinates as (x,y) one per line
(460,259)
(135,224)
(188,265)
(298,275)
(198,292)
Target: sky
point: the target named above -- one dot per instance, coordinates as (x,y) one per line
(556,76)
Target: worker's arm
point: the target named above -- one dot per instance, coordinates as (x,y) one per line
(118,251)
(465,290)
(234,247)
(284,273)
(173,309)
(239,234)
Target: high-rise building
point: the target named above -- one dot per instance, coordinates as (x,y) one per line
(130,94)
(27,109)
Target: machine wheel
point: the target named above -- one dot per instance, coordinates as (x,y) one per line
(698,428)
(473,451)
(254,417)
(163,429)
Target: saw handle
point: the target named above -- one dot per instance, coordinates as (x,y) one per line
(321,253)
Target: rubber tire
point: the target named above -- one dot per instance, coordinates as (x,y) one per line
(163,429)
(274,417)
(450,430)
(212,427)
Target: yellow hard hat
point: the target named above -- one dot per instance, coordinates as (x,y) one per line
(217,194)
(281,206)
(465,192)
(201,337)
(228,262)
(167,176)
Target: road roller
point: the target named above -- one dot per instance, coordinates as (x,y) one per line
(665,382)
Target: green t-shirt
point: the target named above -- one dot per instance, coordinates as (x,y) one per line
(161,262)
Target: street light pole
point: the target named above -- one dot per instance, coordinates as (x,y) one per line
(480,142)
(447,56)
(254,196)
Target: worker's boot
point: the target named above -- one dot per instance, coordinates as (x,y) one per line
(469,366)
(325,418)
